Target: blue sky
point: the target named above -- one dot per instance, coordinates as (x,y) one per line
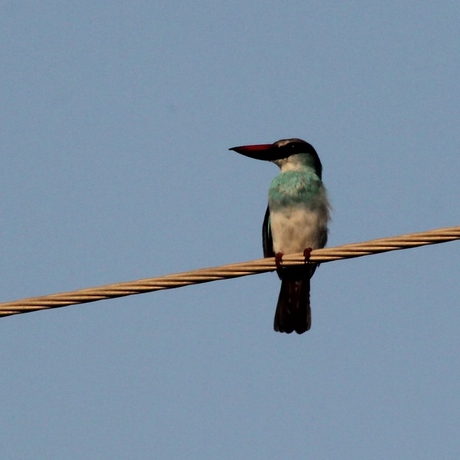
(116,119)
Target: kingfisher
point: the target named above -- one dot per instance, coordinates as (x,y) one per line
(295,221)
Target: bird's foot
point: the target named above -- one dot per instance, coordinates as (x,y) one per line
(279,260)
(307,254)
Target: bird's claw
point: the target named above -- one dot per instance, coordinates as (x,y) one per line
(307,254)
(279,259)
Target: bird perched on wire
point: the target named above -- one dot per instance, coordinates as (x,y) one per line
(295,221)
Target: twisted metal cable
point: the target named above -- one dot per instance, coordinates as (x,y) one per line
(206,275)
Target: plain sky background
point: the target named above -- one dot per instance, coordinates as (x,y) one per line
(116,119)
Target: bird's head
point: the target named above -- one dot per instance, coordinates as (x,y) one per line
(286,153)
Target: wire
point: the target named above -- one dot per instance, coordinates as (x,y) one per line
(206,275)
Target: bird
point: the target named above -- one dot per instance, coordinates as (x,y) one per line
(296,220)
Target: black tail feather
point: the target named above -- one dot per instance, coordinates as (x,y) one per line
(293,309)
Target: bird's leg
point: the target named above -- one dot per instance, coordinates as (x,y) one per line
(278,260)
(306,254)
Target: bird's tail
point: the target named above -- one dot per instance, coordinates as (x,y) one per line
(293,309)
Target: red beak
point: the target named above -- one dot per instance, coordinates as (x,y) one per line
(267,152)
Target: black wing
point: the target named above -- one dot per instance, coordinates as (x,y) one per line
(267,239)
